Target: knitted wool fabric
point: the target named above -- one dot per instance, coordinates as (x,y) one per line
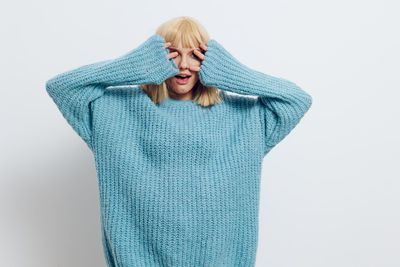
(178,183)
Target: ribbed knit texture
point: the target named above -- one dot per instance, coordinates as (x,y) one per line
(178,183)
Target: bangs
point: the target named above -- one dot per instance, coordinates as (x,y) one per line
(186,31)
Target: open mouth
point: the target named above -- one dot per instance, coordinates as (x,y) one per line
(182,78)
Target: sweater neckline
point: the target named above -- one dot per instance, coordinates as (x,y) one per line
(175,102)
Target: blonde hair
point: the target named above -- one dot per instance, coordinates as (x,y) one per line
(191,33)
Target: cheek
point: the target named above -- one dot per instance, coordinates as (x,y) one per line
(193,80)
(195,76)
(169,80)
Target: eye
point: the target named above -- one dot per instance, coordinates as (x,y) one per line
(194,56)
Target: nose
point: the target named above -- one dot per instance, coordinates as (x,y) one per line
(183,63)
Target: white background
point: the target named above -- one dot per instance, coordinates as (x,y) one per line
(330,190)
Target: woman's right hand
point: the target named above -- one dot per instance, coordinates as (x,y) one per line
(171,54)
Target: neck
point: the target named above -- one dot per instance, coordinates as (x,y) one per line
(187,96)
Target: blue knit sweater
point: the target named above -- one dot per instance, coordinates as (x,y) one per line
(178,183)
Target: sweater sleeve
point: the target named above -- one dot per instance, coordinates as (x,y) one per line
(75,90)
(282,103)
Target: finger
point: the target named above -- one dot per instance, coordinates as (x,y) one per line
(199,54)
(172,55)
(167,44)
(194,68)
(203,46)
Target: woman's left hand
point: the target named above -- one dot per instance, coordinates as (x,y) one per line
(200,55)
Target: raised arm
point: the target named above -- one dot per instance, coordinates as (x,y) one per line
(74,91)
(282,102)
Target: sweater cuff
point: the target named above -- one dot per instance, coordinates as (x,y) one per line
(148,61)
(222,70)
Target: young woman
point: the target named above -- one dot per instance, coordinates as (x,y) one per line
(178,159)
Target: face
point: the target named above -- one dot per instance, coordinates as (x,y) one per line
(182,88)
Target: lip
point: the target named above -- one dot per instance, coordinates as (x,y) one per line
(181,82)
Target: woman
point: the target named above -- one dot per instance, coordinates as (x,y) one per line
(178,160)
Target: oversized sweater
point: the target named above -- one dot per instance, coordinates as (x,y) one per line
(178,182)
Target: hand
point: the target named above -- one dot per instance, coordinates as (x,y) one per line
(197,52)
(171,54)
(200,55)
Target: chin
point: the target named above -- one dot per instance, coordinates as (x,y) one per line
(181,88)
